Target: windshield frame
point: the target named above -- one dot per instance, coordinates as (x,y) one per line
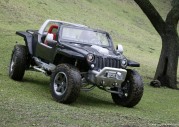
(60,39)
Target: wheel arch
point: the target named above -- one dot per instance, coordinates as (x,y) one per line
(60,58)
(28,40)
(80,63)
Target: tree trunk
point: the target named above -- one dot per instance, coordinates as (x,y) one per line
(166,71)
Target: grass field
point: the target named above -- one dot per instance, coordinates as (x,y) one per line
(29,103)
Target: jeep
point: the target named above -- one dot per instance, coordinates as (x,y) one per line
(77,58)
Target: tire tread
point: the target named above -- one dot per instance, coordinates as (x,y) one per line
(19,54)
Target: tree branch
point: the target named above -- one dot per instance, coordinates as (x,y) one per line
(153,15)
(173,17)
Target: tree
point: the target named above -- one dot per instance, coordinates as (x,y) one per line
(174,2)
(166,71)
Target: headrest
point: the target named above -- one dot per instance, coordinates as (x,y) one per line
(49,37)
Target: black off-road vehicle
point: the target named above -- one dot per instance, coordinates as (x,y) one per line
(76,58)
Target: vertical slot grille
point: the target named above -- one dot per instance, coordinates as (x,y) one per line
(107,62)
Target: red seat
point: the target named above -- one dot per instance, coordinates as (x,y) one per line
(52,30)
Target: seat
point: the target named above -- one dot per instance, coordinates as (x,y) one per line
(52,30)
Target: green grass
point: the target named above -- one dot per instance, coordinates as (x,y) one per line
(29,103)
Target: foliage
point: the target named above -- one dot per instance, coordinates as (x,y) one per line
(174,2)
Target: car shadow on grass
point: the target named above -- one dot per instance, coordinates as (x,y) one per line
(44,81)
(87,99)
(97,99)
(38,84)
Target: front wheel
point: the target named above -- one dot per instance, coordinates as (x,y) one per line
(131,90)
(65,83)
(18,62)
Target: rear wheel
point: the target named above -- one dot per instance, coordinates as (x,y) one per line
(65,84)
(131,90)
(18,62)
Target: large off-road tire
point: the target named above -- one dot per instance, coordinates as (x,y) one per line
(131,90)
(18,62)
(65,83)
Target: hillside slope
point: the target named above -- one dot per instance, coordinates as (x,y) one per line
(28,103)
(122,19)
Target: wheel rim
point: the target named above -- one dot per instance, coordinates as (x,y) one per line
(11,65)
(60,83)
(125,89)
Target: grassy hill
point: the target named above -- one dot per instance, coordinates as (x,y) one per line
(29,103)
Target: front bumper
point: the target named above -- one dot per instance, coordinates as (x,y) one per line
(108,77)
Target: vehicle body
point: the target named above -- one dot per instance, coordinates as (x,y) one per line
(77,58)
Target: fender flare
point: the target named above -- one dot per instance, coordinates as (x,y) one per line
(132,63)
(28,40)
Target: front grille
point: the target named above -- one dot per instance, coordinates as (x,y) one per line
(106,62)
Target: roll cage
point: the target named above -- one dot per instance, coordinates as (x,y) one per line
(43,30)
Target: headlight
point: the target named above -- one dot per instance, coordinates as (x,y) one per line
(90,58)
(124,63)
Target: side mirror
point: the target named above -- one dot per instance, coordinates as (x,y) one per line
(49,37)
(119,49)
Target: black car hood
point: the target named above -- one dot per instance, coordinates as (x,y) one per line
(94,49)
(81,51)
